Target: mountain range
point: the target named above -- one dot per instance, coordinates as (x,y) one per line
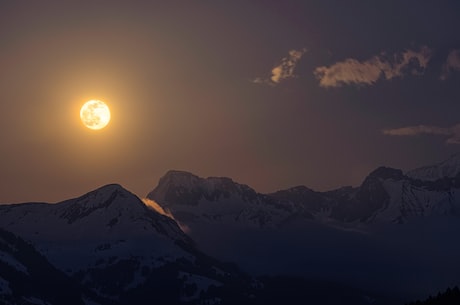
(385,195)
(393,238)
(395,231)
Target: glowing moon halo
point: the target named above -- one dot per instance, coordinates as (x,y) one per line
(95,114)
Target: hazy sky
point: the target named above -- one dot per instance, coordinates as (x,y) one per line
(270,93)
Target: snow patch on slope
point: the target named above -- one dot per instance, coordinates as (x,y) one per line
(198,282)
(4,287)
(10,260)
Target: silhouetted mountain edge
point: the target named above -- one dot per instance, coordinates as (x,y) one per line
(449,297)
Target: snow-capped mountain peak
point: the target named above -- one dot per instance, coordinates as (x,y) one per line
(111,196)
(109,221)
(446,169)
(214,199)
(385,195)
(112,244)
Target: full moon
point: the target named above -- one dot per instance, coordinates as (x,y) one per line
(95,114)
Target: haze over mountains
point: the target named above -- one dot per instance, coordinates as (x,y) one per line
(395,231)
(392,239)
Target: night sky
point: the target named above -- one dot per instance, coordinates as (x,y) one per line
(270,93)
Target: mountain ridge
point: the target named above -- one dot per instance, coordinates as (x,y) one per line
(386,194)
(448,168)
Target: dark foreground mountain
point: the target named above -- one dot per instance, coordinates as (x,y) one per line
(449,297)
(26,277)
(396,233)
(117,248)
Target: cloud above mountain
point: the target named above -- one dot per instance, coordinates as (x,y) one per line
(284,70)
(452,133)
(156,207)
(354,72)
(452,64)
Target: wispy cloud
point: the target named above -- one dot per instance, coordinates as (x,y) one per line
(155,206)
(284,70)
(452,133)
(352,71)
(452,64)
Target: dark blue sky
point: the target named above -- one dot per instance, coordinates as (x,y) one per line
(271,93)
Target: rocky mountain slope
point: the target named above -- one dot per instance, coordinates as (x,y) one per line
(446,169)
(386,195)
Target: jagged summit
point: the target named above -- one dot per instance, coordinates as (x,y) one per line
(385,195)
(384,172)
(446,169)
(184,188)
(190,180)
(178,176)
